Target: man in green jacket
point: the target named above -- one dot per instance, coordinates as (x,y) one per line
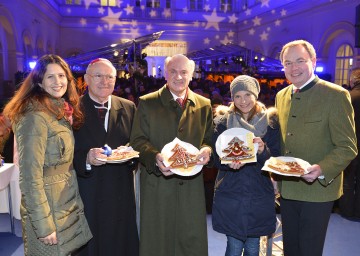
(317,125)
(172,207)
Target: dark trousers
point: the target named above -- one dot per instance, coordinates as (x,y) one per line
(304,226)
(349,203)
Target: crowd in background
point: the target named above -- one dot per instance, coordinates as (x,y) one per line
(217,91)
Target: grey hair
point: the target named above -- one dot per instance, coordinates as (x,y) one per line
(190,63)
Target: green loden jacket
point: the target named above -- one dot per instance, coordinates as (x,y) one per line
(172,209)
(50,199)
(317,125)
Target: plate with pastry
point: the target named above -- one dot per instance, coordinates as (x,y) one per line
(181,157)
(286,166)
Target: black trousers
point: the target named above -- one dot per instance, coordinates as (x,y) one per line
(349,203)
(304,226)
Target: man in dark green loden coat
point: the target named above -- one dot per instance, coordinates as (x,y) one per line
(172,207)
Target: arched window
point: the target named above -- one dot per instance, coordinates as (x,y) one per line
(197,5)
(344,62)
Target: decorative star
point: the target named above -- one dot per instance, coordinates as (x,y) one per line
(149,27)
(129,9)
(101,10)
(153,13)
(99,29)
(68,10)
(251,31)
(242,43)
(217,36)
(248,12)
(166,13)
(265,3)
(273,11)
(185,10)
(207,7)
(112,19)
(207,41)
(142,7)
(256,21)
(283,12)
(277,23)
(230,33)
(226,40)
(213,20)
(245,22)
(196,24)
(134,23)
(83,21)
(233,18)
(264,36)
(134,32)
(88,2)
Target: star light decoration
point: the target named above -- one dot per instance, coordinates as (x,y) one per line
(265,3)
(264,36)
(112,19)
(233,18)
(83,21)
(166,13)
(129,9)
(212,21)
(101,10)
(134,32)
(149,27)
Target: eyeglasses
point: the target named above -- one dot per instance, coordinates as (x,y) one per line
(298,62)
(98,77)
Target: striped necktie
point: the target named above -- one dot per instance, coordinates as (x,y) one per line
(180,101)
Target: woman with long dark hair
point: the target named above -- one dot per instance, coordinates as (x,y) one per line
(43,112)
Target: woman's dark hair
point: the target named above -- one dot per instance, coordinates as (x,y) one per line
(30,93)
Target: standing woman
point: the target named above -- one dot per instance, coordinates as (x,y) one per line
(244,201)
(43,112)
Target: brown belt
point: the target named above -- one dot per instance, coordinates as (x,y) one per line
(57,169)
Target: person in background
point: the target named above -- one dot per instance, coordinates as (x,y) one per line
(317,125)
(349,203)
(6,140)
(106,189)
(43,112)
(172,216)
(244,200)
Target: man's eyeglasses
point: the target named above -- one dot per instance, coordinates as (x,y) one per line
(98,77)
(298,62)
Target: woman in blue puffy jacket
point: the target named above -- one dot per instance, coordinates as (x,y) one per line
(244,200)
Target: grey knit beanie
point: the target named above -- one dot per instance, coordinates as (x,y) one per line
(244,83)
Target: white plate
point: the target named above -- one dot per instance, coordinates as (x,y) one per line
(241,133)
(117,161)
(167,153)
(120,149)
(301,162)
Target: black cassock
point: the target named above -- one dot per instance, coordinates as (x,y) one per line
(108,190)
